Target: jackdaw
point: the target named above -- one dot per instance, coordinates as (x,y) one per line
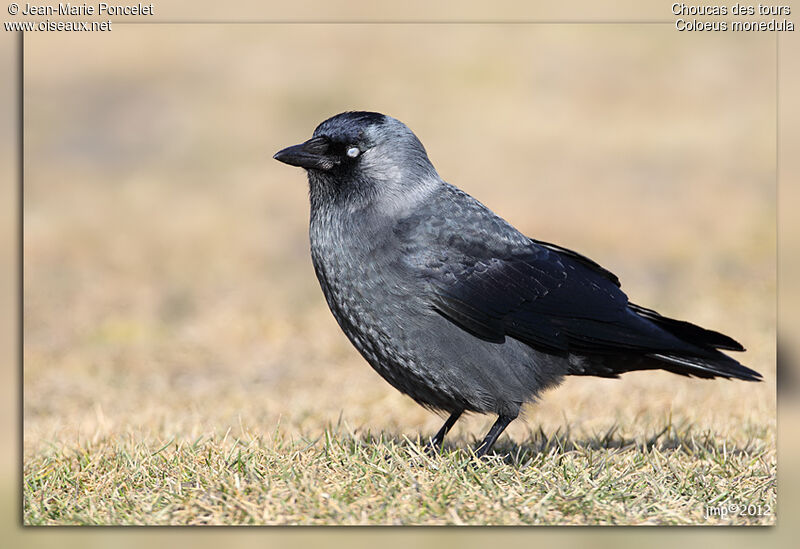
(451,304)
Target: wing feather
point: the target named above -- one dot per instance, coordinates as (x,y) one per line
(546,298)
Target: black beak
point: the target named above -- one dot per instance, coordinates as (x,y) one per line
(309,155)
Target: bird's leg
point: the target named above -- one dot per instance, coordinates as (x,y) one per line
(498,427)
(436,442)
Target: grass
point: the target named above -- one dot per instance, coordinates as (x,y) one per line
(343,477)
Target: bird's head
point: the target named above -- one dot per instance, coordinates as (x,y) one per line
(361,157)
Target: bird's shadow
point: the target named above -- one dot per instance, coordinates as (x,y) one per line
(540,444)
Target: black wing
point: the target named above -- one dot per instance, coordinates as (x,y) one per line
(483,275)
(548,297)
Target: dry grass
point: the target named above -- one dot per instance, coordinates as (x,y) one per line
(180,365)
(343,477)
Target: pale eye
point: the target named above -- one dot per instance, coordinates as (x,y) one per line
(353,151)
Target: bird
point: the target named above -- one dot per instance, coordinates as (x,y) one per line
(451,304)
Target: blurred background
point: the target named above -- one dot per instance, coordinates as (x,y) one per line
(168,289)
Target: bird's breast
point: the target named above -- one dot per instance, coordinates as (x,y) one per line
(370,293)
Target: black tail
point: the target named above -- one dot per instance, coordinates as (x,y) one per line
(708,368)
(701,356)
(687,331)
(709,364)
